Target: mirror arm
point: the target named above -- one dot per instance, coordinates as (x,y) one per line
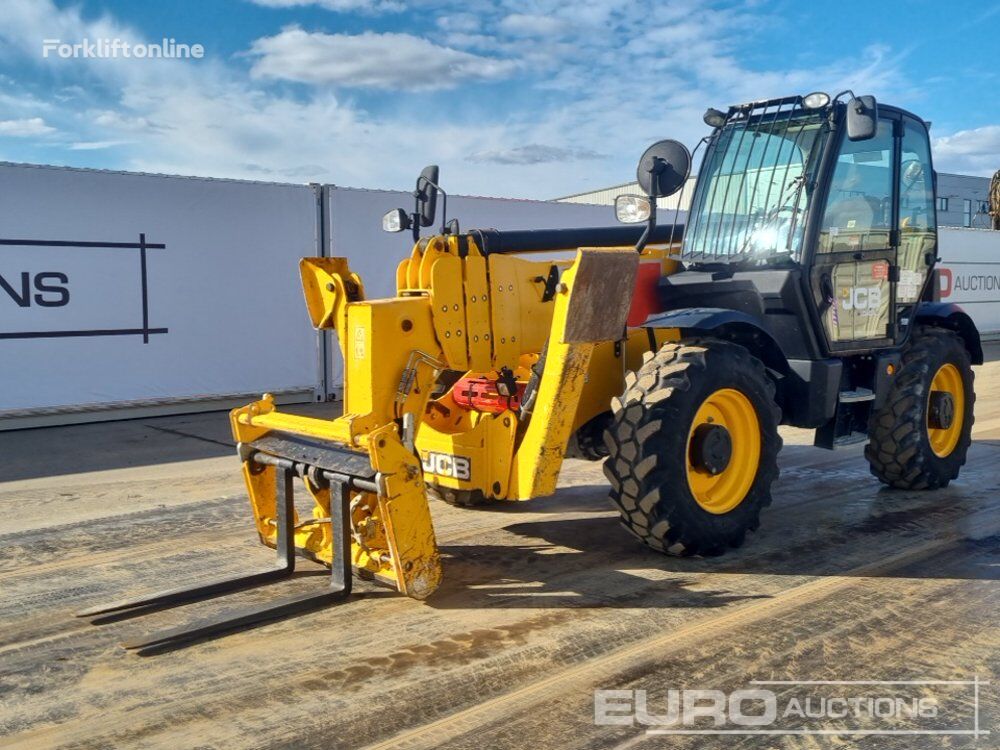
(444,204)
(650,224)
(415,216)
(654,172)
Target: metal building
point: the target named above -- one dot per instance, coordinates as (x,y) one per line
(963,201)
(606,196)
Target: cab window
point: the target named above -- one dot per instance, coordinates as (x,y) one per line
(859,206)
(917,225)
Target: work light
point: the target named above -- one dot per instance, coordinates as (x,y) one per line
(395,220)
(815,100)
(631,209)
(714,118)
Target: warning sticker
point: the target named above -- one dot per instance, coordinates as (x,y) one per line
(880,270)
(359,342)
(908,288)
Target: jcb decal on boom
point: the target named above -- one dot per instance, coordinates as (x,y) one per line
(447,465)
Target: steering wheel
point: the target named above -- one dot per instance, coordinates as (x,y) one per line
(911,171)
(776,212)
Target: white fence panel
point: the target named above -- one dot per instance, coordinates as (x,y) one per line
(215,311)
(969,274)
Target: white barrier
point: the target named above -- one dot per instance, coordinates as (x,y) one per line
(211,308)
(969,274)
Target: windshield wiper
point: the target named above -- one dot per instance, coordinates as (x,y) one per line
(797,183)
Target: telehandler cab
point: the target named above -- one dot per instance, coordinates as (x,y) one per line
(793,293)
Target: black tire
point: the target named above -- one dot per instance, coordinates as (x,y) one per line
(588,441)
(458,498)
(648,446)
(899,450)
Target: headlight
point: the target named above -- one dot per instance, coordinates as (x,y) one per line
(631,209)
(395,220)
(815,100)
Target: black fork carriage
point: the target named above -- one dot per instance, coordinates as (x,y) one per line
(339,587)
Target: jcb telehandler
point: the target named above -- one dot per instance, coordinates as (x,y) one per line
(792,294)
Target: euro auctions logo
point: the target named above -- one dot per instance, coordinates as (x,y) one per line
(793,707)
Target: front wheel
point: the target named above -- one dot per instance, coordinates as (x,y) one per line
(919,438)
(693,446)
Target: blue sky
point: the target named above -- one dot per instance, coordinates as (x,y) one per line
(527,98)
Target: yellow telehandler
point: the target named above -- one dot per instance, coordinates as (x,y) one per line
(793,293)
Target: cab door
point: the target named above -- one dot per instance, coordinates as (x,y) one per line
(855,256)
(918,243)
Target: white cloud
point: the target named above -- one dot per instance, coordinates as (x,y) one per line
(975,151)
(459,23)
(338,6)
(535,153)
(25,128)
(528,25)
(120,122)
(386,61)
(94,145)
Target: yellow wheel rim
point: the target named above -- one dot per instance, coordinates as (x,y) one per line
(943,440)
(720,493)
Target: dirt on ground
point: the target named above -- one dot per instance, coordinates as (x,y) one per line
(542,603)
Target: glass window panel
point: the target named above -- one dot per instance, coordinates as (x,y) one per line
(917,235)
(859,206)
(752,192)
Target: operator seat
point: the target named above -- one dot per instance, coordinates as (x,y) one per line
(850,222)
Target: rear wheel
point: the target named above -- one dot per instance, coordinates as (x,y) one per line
(694,447)
(588,441)
(460,498)
(920,436)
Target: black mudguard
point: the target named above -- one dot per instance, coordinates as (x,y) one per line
(951,316)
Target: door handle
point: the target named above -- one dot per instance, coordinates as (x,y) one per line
(826,289)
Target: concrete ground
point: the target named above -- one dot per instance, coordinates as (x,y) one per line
(542,604)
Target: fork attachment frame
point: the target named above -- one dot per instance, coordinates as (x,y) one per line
(339,586)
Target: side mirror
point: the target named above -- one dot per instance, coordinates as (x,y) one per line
(664,168)
(862,118)
(426,195)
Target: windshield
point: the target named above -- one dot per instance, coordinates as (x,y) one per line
(752,193)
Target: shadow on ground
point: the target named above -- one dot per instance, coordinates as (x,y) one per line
(591,561)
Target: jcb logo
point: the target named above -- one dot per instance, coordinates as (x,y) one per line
(446,465)
(862,298)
